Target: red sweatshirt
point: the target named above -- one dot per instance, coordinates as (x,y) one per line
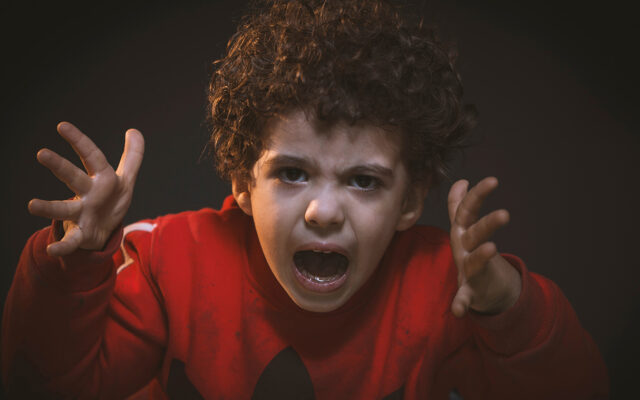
(189,302)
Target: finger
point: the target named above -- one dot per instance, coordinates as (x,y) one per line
(456,193)
(467,212)
(63,169)
(69,243)
(461,301)
(132,155)
(482,230)
(477,260)
(92,158)
(64,210)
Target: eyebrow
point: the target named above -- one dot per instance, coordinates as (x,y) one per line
(285,159)
(301,162)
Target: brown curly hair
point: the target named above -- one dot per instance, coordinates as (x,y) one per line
(342,60)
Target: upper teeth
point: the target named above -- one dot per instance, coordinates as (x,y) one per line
(322,251)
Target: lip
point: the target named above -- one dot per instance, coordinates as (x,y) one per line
(320,287)
(319,246)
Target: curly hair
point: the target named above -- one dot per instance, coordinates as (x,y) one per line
(342,60)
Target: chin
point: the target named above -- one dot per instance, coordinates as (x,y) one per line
(321,303)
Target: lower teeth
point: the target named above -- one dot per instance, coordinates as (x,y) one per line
(319,279)
(320,267)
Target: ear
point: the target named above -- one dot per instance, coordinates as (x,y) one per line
(412,205)
(240,189)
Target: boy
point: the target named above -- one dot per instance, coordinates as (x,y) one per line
(332,120)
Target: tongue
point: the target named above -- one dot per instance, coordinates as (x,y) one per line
(321,264)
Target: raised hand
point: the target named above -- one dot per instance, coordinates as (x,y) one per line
(487,283)
(102,196)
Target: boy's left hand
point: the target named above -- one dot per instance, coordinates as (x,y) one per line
(487,283)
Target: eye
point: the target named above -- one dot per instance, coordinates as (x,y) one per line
(365,182)
(292,175)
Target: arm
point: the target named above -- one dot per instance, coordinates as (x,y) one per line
(527,338)
(64,331)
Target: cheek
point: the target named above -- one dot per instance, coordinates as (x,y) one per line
(280,206)
(381,213)
(274,221)
(375,226)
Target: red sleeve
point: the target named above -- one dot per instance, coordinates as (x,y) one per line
(71,328)
(537,349)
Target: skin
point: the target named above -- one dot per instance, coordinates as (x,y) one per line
(487,283)
(102,195)
(339,197)
(319,186)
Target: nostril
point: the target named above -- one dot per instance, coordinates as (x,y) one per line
(325,213)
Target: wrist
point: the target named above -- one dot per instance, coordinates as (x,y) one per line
(79,271)
(503,289)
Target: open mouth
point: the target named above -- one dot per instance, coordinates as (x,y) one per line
(320,271)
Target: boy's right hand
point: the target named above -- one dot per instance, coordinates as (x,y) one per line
(102,196)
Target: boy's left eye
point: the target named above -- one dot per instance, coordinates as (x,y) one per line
(364,182)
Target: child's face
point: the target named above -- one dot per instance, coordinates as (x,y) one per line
(326,205)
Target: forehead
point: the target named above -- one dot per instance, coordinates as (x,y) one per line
(297,132)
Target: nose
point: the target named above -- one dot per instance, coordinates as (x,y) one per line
(324,210)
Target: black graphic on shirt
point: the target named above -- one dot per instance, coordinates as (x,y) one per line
(397,395)
(285,377)
(178,385)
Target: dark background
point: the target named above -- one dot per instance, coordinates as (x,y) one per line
(556,87)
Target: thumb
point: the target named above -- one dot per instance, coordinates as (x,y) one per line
(461,301)
(456,193)
(132,155)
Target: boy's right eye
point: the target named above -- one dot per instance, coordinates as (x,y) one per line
(292,175)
